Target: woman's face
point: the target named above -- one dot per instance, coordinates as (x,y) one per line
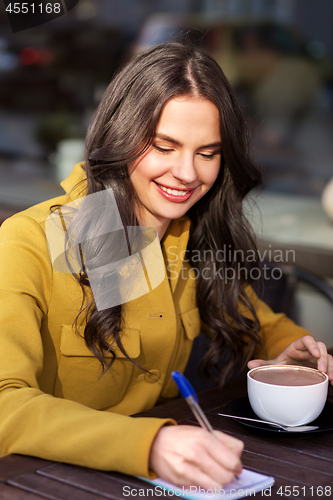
(182,163)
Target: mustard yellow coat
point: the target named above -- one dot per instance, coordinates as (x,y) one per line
(53,403)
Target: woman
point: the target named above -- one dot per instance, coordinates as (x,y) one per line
(168,139)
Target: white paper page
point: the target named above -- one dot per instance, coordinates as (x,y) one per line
(249,483)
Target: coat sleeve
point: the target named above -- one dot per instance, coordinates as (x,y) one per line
(276,330)
(36,423)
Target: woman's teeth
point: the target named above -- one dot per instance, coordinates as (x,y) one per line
(175,192)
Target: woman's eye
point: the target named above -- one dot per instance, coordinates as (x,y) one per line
(162,150)
(207,156)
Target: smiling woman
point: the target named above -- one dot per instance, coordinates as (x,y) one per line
(181,165)
(167,148)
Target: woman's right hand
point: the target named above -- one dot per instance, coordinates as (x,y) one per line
(191,456)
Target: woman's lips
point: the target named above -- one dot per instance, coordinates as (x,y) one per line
(175,195)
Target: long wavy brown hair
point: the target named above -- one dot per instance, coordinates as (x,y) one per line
(122,128)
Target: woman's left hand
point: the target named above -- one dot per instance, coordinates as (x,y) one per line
(305,351)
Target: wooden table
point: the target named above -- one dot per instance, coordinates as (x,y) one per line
(305,463)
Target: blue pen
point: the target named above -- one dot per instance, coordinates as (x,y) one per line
(191,398)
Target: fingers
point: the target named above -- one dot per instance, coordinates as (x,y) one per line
(214,465)
(229,455)
(254,363)
(330,368)
(191,456)
(322,363)
(234,444)
(304,351)
(309,344)
(325,361)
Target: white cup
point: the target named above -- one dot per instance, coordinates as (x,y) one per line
(289,405)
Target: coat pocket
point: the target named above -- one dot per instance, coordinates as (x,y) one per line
(80,374)
(73,344)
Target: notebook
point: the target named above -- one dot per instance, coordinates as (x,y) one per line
(249,483)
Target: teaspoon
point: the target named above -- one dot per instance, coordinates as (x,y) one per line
(299,428)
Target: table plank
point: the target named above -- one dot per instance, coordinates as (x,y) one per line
(294,446)
(51,489)
(285,469)
(15,465)
(106,484)
(8,492)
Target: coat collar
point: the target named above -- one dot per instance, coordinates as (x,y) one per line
(174,242)
(75,185)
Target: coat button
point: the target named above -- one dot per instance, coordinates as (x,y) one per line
(153,376)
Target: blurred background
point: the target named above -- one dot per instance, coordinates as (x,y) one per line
(277,53)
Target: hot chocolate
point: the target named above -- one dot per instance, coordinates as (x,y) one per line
(288,376)
(287,394)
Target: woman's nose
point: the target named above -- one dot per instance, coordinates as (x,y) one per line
(185,170)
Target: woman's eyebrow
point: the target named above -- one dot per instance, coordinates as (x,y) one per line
(178,143)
